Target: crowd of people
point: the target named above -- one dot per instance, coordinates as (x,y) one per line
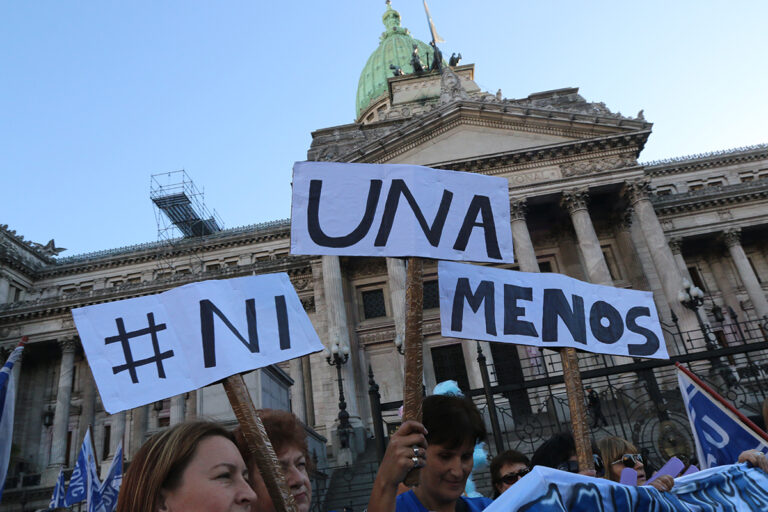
(200,466)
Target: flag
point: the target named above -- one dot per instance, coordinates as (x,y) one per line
(436,38)
(7,403)
(93,484)
(111,485)
(720,431)
(78,483)
(57,500)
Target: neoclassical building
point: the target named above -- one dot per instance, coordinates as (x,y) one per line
(583,204)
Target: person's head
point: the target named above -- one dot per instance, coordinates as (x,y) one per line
(289,440)
(559,452)
(506,469)
(454,426)
(618,454)
(193,466)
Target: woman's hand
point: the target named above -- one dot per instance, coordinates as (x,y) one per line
(756,458)
(664,483)
(406,450)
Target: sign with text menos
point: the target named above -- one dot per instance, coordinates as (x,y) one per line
(399,210)
(150,348)
(547,310)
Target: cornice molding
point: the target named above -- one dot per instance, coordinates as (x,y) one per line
(711,197)
(706,160)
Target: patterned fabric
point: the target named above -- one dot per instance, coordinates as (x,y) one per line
(408,502)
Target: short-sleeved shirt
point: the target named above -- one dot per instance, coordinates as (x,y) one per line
(408,502)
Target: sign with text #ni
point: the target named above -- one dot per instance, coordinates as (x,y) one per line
(150,348)
(399,210)
(547,310)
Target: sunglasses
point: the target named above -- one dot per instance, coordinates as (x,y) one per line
(572,466)
(629,459)
(511,478)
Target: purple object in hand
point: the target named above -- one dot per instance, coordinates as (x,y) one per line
(673,467)
(691,470)
(628,477)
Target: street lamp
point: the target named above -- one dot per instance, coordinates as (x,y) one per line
(338,357)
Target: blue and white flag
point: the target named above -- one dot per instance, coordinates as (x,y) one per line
(111,485)
(94,501)
(78,483)
(719,433)
(57,500)
(7,403)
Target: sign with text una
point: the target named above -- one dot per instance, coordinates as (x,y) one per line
(399,210)
(150,348)
(547,310)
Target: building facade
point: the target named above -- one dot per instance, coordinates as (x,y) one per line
(582,205)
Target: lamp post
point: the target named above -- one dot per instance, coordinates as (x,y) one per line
(693,298)
(337,357)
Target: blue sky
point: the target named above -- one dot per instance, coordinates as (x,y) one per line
(97,96)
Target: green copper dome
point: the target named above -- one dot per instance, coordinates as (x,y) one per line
(395,47)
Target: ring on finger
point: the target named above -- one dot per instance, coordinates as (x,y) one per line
(415,461)
(416,451)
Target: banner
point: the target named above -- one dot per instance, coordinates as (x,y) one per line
(734,488)
(399,210)
(547,310)
(59,492)
(150,348)
(719,433)
(7,406)
(85,467)
(110,488)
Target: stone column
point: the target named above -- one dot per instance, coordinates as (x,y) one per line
(117,433)
(177,409)
(524,251)
(88,410)
(297,390)
(525,254)
(676,246)
(396,273)
(589,246)
(661,255)
(338,328)
(190,406)
(138,429)
(309,399)
(732,238)
(63,400)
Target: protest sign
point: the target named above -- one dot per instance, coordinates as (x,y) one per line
(735,488)
(150,348)
(547,310)
(721,432)
(399,210)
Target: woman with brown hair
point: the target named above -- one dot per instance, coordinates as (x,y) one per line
(191,467)
(619,453)
(289,440)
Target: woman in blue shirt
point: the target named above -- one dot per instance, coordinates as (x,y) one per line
(443,448)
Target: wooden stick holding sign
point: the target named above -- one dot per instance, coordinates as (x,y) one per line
(258,444)
(414,350)
(575,392)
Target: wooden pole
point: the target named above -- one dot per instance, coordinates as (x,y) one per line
(414,351)
(258,443)
(575,392)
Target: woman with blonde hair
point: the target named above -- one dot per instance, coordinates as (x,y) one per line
(619,453)
(190,467)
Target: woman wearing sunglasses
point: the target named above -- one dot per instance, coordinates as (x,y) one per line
(619,453)
(506,469)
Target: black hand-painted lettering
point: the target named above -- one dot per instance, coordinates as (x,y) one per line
(282,323)
(480,205)
(123,337)
(651,344)
(615,328)
(555,306)
(433,233)
(207,310)
(484,293)
(512,312)
(313,217)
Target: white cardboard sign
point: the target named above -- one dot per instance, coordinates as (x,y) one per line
(349,209)
(547,310)
(150,348)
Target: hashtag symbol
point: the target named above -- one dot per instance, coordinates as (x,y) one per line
(123,337)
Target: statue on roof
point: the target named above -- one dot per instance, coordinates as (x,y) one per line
(437,62)
(454,60)
(396,70)
(418,67)
(48,249)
